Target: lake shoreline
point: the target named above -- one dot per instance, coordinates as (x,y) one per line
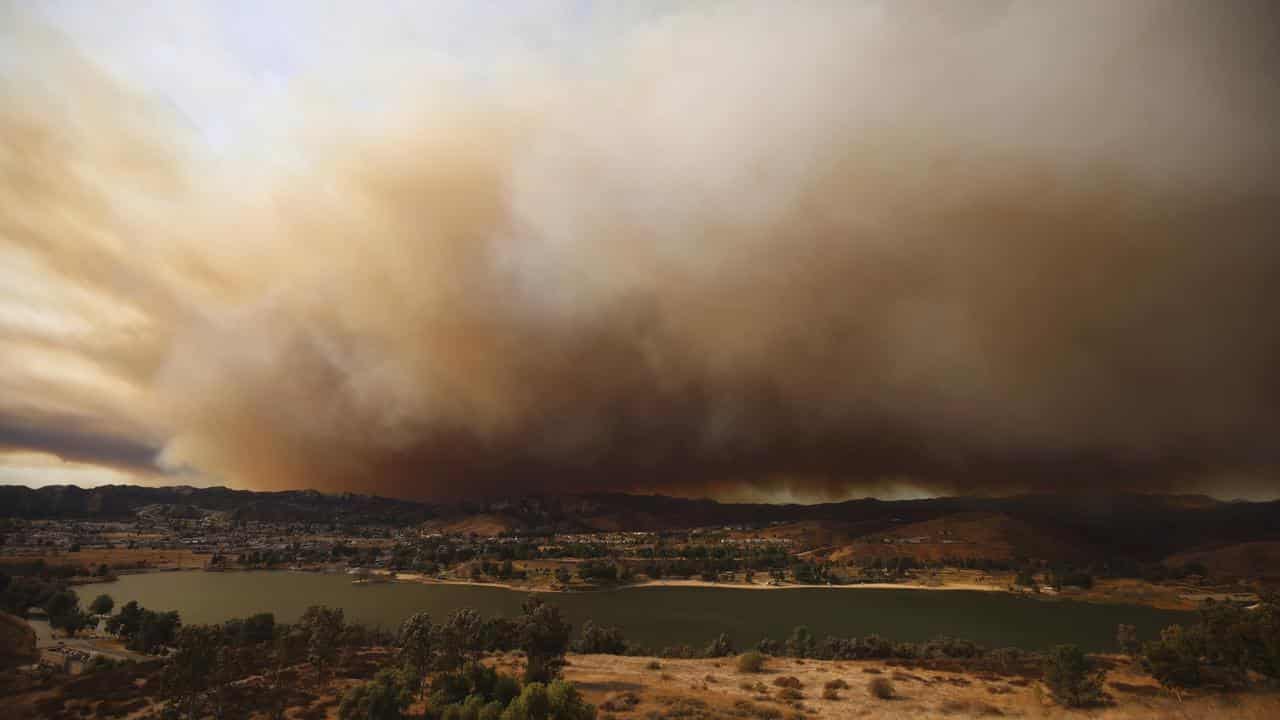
(657,615)
(424,580)
(381,577)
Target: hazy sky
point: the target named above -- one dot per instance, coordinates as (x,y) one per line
(756,250)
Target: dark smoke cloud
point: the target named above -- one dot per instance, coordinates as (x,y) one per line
(820,249)
(62,438)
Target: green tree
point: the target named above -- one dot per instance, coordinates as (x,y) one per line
(544,637)
(385,697)
(324,626)
(72,622)
(190,671)
(459,638)
(102,605)
(418,647)
(126,622)
(155,630)
(64,612)
(1072,679)
(253,630)
(288,646)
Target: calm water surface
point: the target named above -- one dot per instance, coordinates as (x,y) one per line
(657,616)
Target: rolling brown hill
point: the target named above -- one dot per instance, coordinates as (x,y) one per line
(993,536)
(1256,560)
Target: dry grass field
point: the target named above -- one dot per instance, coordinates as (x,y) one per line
(116,558)
(632,688)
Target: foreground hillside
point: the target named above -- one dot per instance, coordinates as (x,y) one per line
(632,688)
(644,688)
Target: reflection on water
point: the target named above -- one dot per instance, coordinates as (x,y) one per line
(658,616)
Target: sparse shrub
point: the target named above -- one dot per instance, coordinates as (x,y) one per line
(830,693)
(836,684)
(1072,679)
(790,693)
(750,662)
(653,665)
(677,651)
(881,688)
(622,702)
(788,681)
(752,710)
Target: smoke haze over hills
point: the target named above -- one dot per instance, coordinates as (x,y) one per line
(743,250)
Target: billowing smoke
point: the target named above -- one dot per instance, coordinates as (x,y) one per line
(815,248)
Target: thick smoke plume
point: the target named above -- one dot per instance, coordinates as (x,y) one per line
(978,247)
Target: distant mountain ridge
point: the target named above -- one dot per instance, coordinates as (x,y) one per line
(114,502)
(1052,526)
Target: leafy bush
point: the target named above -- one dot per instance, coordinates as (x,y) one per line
(557,701)
(472,692)
(790,693)
(1072,679)
(385,697)
(1174,659)
(750,662)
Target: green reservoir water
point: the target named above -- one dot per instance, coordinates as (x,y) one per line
(658,616)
